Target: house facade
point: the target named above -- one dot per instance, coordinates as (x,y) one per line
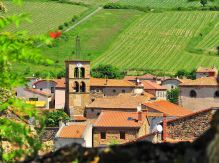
(119,126)
(206,72)
(199,94)
(172,83)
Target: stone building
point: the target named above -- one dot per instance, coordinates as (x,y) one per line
(127,102)
(206,72)
(155,89)
(119,126)
(188,127)
(199,94)
(172,83)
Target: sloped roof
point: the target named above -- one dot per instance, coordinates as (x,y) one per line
(202,69)
(168,108)
(53,80)
(123,100)
(149,95)
(37,91)
(146,76)
(79,118)
(72,131)
(61,83)
(111,82)
(141,137)
(119,119)
(150,85)
(180,80)
(205,81)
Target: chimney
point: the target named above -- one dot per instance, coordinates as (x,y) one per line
(39,78)
(107,83)
(137,81)
(164,127)
(140,116)
(155,79)
(60,121)
(52,78)
(164,77)
(66,122)
(184,77)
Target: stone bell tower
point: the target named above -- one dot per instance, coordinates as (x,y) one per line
(77,90)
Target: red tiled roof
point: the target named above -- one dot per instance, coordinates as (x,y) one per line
(19,114)
(61,83)
(141,137)
(150,85)
(207,81)
(155,114)
(79,118)
(180,80)
(53,80)
(111,82)
(176,141)
(123,100)
(149,95)
(146,76)
(72,131)
(188,115)
(37,91)
(168,108)
(202,69)
(118,119)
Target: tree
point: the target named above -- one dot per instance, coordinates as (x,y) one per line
(203,2)
(189,75)
(111,71)
(52,119)
(17,47)
(173,95)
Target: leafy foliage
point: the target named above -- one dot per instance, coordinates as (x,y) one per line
(173,95)
(189,75)
(52,119)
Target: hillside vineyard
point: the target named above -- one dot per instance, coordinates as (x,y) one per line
(158,41)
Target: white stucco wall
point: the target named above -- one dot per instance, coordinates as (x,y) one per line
(61,142)
(204,99)
(46,86)
(88,136)
(59,98)
(161,95)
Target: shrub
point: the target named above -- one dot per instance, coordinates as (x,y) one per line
(61,27)
(66,24)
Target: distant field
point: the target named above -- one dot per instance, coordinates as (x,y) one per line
(93,2)
(164,3)
(157,41)
(45,15)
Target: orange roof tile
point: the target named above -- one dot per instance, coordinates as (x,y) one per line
(61,83)
(149,95)
(72,131)
(176,141)
(155,114)
(168,108)
(141,137)
(123,100)
(150,85)
(111,82)
(118,119)
(53,80)
(202,69)
(180,80)
(37,91)
(207,81)
(79,118)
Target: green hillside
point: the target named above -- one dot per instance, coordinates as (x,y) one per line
(164,3)
(45,15)
(92,2)
(158,41)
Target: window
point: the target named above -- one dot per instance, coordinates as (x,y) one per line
(193,93)
(171,86)
(216,94)
(92,100)
(41,89)
(157,94)
(123,91)
(122,135)
(163,94)
(76,87)
(102,135)
(82,87)
(76,72)
(92,110)
(52,90)
(114,90)
(98,114)
(82,73)
(33,99)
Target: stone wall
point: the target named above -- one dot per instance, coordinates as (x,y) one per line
(171,84)
(189,128)
(205,97)
(112,133)
(49,134)
(108,91)
(96,92)
(145,128)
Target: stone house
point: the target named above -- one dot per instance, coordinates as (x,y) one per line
(188,127)
(155,89)
(199,94)
(156,110)
(126,102)
(119,126)
(206,72)
(74,132)
(172,83)
(20,90)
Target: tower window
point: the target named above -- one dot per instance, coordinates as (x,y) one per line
(82,87)
(76,87)
(82,73)
(76,72)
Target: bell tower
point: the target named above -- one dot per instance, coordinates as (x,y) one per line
(77,90)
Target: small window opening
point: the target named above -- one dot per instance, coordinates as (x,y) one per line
(82,87)
(103,135)
(122,135)
(92,100)
(76,72)
(33,99)
(216,94)
(193,93)
(129,118)
(52,90)
(76,87)
(123,91)
(92,110)
(41,89)
(98,114)
(82,73)
(114,90)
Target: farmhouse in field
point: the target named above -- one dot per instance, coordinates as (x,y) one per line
(206,72)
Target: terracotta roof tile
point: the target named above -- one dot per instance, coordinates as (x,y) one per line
(202,69)
(155,114)
(180,80)
(79,118)
(168,108)
(141,137)
(61,83)
(111,82)
(37,91)
(150,85)
(72,131)
(149,95)
(123,100)
(53,80)
(207,81)
(119,119)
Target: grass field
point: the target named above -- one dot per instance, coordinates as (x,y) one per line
(45,15)
(93,2)
(157,41)
(164,3)
(96,34)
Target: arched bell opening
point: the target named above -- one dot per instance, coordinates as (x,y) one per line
(76,87)
(82,87)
